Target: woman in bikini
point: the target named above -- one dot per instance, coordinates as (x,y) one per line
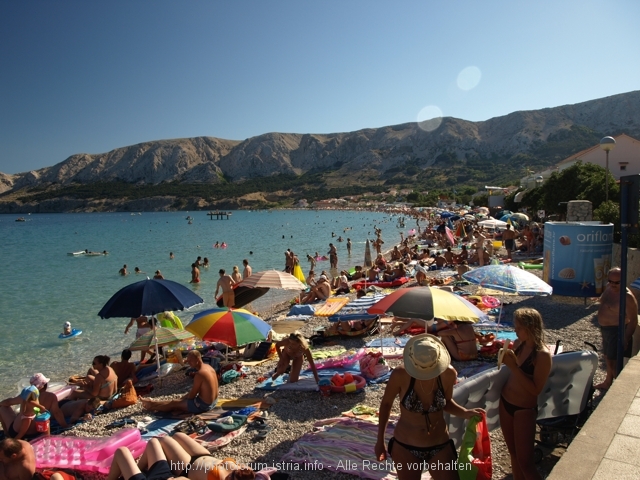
(425,386)
(178,457)
(292,350)
(459,338)
(101,381)
(529,365)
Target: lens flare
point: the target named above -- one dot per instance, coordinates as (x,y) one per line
(469,78)
(429,118)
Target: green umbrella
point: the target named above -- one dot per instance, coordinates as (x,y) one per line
(160,337)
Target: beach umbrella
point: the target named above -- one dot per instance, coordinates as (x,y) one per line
(493,224)
(149,297)
(160,337)
(508,279)
(521,217)
(233,327)
(367,255)
(273,279)
(427,303)
(446,214)
(244,295)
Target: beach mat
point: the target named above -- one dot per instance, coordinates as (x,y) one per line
(348,439)
(331,306)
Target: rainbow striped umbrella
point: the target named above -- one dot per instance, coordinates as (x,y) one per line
(231,326)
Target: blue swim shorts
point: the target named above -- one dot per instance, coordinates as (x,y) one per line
(195,405)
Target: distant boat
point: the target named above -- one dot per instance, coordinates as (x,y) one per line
(76,254)
(21,219)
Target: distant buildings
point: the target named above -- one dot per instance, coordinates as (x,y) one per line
(624,159)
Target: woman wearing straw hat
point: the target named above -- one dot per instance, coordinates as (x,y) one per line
(425,385)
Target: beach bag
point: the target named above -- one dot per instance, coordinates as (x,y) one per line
(373,365)
(474,462)
(127,396)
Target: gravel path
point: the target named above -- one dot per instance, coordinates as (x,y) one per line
(294,413)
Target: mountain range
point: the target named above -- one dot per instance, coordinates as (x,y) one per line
(437,153)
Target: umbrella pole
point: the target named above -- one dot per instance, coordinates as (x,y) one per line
(155,336)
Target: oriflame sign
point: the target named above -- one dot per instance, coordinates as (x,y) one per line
(577,257)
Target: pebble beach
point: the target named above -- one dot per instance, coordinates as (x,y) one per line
(293,413)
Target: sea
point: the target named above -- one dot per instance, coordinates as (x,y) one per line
(42,287)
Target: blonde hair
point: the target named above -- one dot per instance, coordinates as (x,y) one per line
(531,321)
(297,336)
(235,269)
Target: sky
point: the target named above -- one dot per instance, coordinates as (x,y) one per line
(88,77)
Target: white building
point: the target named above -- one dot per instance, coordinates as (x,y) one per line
(624,159)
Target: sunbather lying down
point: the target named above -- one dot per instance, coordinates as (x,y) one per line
(177,457)
(338,328)
(459,338)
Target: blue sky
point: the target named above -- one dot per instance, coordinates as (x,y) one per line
(88,77)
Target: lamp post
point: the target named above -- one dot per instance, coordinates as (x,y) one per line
(607,144)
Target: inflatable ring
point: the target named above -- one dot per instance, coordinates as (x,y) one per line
(490,302)
(74,333)
(359,384)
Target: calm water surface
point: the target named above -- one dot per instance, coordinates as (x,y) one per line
(42,287)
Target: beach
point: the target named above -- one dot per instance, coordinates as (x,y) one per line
(294,412)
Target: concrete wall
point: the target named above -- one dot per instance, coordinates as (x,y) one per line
(633,262)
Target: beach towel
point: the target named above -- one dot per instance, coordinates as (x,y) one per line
(305,383)
(345,445)
(215,441)
(331,306)
(301,310)
(362,304)
(158,428)
(238,402)
(389,341)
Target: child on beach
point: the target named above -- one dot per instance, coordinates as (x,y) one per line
(66,329)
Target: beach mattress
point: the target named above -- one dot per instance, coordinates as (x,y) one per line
(331,306)
(531,266)
(565,393)
(395,283)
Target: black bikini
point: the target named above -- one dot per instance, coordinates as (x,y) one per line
(527,368)
(412,403)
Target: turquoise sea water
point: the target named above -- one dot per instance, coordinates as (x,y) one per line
(41,287)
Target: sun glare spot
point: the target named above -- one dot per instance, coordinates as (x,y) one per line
(469,78)
(429,118)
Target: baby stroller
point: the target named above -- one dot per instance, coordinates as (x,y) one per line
(560,429)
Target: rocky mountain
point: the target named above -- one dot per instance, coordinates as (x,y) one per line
(540,137)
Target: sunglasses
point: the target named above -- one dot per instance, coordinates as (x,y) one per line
(613,283)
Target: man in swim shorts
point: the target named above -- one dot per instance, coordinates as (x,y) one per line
(246,273)
(226,283)
(143,327)
(202,397)
(195,273)
(508,237)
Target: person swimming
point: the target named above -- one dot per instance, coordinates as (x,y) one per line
(217,245)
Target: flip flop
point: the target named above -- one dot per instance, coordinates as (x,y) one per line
(122,423)
(263,433)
